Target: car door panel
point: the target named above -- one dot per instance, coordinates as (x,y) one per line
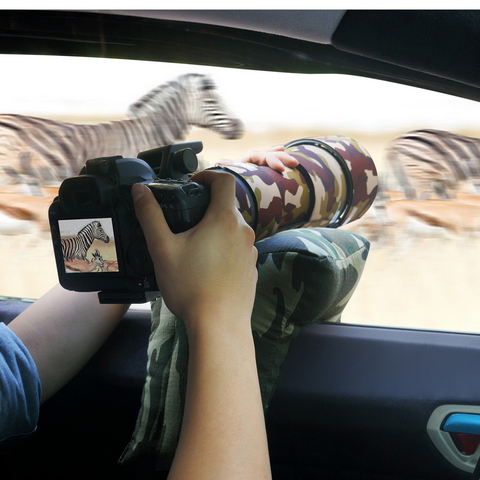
(359,398)
(351,401)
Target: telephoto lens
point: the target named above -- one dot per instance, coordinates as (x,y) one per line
(334,184)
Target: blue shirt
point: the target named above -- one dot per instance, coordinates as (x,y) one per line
(20,388)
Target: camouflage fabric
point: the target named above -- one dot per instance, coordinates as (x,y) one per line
(305,276)
(318,193)
(363,174)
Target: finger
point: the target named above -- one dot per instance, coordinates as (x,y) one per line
(287,159)
(252,157)
(274,163)
(222,214)
(222,187)
(150,217)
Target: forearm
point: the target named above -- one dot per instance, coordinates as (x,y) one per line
(212,288)
(223,432)
(62,330)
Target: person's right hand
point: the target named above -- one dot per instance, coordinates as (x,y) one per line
(208,272)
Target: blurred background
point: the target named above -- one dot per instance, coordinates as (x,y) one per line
(423,276)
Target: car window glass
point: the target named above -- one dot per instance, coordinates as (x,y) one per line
(421,271)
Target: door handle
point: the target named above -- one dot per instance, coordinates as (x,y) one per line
(463,423)
(455,431)
(464,429)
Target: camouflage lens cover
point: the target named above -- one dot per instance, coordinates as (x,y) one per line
(335,183)
(329,182)
(270,201)
(362,171)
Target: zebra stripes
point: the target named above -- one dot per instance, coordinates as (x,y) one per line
(77,247)
(198,104)
(38,151)
(435,160)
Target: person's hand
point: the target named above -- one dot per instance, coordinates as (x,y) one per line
(208,271)
(274,157)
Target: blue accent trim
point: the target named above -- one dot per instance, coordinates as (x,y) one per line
(462,423)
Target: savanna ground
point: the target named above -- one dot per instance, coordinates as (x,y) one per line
(432,284)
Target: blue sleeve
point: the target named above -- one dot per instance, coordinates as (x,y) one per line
(20,388)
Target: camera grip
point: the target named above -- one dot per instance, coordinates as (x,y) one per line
(183,203)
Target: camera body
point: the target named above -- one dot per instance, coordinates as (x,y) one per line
(98,242)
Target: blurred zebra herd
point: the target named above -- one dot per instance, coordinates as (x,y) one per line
(436,193)
(36,154)
(435,175)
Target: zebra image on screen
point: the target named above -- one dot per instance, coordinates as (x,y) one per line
(76,248)
(40,152)
(435,161)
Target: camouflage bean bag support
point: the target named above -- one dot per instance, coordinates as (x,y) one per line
(305,276)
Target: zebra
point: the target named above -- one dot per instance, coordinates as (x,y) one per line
(435,160)
(42,152)
(74,248)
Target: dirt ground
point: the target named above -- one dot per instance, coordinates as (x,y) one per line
(430,284)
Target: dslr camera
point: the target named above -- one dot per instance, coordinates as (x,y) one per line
(98,242)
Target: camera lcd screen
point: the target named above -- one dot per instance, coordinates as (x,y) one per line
(88,245)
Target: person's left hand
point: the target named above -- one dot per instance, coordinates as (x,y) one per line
(274,157)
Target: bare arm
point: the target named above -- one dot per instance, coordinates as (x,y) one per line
(207,277)
(223,432)
(62,330)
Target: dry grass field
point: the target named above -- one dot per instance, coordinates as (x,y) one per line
(432,283)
